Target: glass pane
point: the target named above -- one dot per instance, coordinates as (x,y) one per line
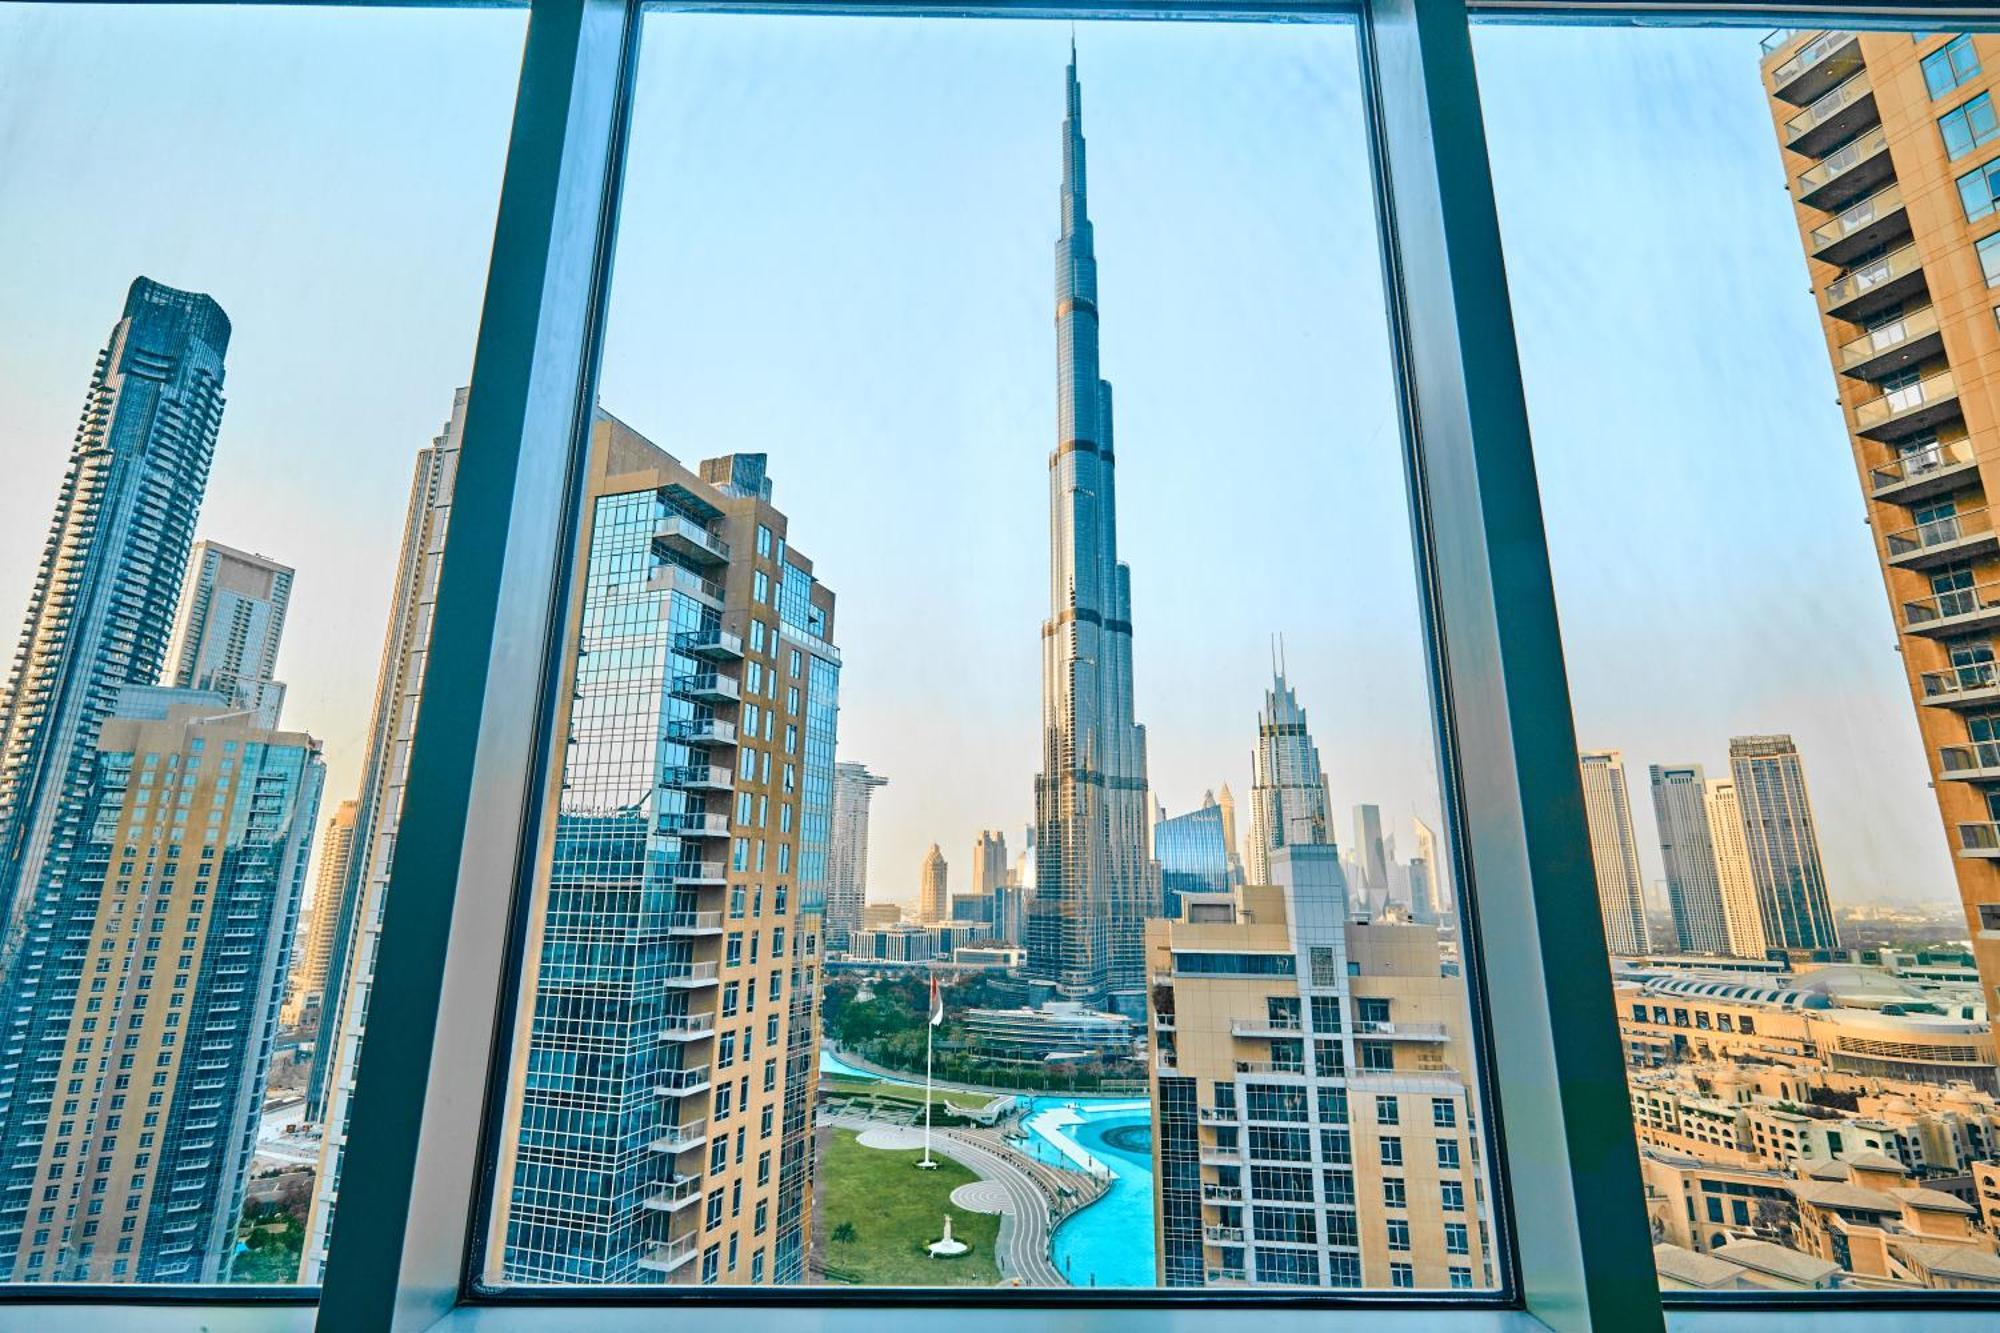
(1792,825)
(882,707)
(254,242)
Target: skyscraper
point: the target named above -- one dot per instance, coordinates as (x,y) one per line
(1310,1125)
(1094,884)
(1288,805)
(1742,912)
(1893,206)
(989,862)
(1226,800)
(661,1077)
(933,898)
(1783,843)
(363,896)
(306,991)
(1193,853)
(225,638)
(1438,885)
(103,599)
(1371,855)
(847,860)
(195,829)
(1621,895)
(1687,849)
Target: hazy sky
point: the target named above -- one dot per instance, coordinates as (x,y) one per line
(836,247)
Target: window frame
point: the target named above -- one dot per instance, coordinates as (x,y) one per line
(1577,1255)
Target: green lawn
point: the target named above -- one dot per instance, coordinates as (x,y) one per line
(896,1210)
(964,1102)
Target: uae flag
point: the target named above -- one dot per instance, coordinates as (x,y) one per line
(937,1002)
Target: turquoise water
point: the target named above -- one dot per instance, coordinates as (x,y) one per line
(1110,1242)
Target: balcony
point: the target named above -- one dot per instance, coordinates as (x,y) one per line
(1933,470)
(1266,1027)
(688,976)
(1948,614)
(691,541)
(1222,1193)
(670,1255)
(708,687)
(694,923)
(687,1027)
(696,872)
(674,578)
(1271,1068)
(1219,1115)
(701,731)
(1849,174)
(681,1082)
(699,777)
(1907,341)
(675,1194)
(1965,535)
(1979,842)
(713,645)
(1910,410)
(1403,1031)
(680,1138)
(1862,227)
(1822,63)
(1835,115)
(1216,1154)
(1875,286)
(1215,1234)
(695,824)
(1978,761)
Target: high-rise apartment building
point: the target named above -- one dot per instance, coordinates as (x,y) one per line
(362,897)
(989,862)
(847,859)
(933,897)
(1783,843)
(134,1080)
(1614,854)
(1889,144)
(306,994)
(1311,1125)
(1226,800)
(103,598)
(663,1085)
(1742,909)
(1288,805)
(1193,852)
(1687,849)
(1094,884)
(232,616)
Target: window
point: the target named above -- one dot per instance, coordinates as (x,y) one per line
(1402,1275)
(1444,1113)
(1398,1233)
(1390,1150)
(1989,259)
(1385,1110)
(1969,126)
(1950,65)
(1976,190)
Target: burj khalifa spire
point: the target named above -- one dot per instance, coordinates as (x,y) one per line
(1095,884)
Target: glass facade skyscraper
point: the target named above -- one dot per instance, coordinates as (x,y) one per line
(1094,884)
(1783,843)
(1193,856)
(231,619)
(1288,805)
(103,601)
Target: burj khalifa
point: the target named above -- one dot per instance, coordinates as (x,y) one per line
(1095,883)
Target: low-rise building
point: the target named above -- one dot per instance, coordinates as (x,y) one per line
(1059,1030)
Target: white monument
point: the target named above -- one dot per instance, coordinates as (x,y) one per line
(947,1248)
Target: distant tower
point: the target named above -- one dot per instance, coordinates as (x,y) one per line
(309,963)
(103,600)
(1288,791)
(989,862)
(1687,848)
(847,855)
(1436,893)
(1783,843)
(226,634)
(1742,911)
(1095,884)
(933,898)
(1621,895)
(1227,800)
(1193,856)
(1371,855)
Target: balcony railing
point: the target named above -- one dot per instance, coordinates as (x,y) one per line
(680,1082)
(679,1138)
(686,1027)
(699,777)
(689,538)
(669,1255)
(1975,761)
(1409,1031)
(1252,1027)
(1979,840)
(1975,677)
(1936,532)
(1899,263)
(675,1194)
(696,823)
(1827,106)
(709,685)
(1270,1067)
(1830,169)
(693,584)
(696,871)
(694,923)
(688,974)
(1215,1234)
(1885,202)
(1222,1193)
(717,645)
(701,731)
(1953,611)
(1901,332)
(1219,1115)
(1809,55)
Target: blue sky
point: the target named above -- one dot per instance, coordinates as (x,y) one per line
(836,247)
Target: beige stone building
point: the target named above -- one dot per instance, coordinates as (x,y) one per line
(315,949)
(933,897)
(658,1123)
(1891,148)
(1314,1120)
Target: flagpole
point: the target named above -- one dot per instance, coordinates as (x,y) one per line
(930,1035)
